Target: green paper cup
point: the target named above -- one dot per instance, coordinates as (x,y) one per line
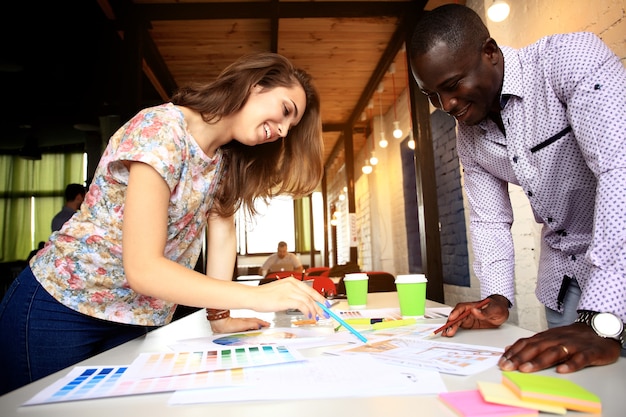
(412,295)
(356,290)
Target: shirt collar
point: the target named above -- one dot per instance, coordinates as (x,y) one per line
(512,84)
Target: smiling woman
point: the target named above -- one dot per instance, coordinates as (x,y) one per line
(172,172)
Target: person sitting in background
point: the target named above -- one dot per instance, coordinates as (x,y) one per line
(74,197)
(34,251)
(281,261)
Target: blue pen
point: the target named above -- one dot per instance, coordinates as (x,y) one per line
(342,322)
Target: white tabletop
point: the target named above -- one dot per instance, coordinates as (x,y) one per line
(609,382)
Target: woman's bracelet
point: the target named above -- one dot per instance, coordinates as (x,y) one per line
(213,314)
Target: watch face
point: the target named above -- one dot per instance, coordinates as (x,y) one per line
(607,324)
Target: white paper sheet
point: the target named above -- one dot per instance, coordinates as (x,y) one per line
(321,377)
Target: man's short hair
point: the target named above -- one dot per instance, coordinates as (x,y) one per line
(282,244)
(459,27)
(72,190)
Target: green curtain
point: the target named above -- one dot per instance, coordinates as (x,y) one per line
(302,217)
(31,193)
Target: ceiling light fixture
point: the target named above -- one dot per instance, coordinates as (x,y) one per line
(367,168)
(397,132)
(498,11)
(382,142)
(373,159)
(411,141)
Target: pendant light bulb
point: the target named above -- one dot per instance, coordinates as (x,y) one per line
(397,132)
(373,159)
(367,168)
(411,142)
(498,11)
(382,142)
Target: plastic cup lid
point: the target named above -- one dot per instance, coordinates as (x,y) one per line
(411,278)
(357,276)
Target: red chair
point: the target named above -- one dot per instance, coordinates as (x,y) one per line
(324,286)
(284,274)
(316,271)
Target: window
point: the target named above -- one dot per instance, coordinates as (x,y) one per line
(283,219)
(31,193)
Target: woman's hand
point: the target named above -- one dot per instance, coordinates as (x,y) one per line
(237,324)
(289,293)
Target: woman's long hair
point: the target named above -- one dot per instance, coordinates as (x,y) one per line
(291,166)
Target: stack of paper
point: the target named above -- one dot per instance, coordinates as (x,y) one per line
(552,390)
(471,404)
(522,394)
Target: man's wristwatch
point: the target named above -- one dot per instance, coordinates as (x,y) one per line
(606,325)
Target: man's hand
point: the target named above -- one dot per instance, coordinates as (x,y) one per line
(570,348)
(489,317)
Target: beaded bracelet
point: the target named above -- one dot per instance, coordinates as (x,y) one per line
(213,314)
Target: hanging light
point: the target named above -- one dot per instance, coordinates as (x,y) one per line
(411,142)
(397,132)
(382,142)
(367,168)
(498,11)
(373,159)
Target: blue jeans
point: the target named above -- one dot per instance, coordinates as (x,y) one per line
(570,304)
(40,336)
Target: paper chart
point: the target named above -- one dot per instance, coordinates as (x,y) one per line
(159,364)
(243,339)
(445,357)
(392,313)
(84,383)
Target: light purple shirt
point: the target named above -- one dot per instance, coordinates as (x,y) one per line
(565,145)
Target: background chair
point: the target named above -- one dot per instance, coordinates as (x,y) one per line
(325,286)
(284,274)
(316,271)
(378,281)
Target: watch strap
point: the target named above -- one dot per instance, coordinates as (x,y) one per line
(585,316)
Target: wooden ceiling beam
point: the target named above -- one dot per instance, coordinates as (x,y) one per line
(265,10)
(395,43)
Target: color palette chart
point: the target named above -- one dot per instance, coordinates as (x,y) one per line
(163,372)
(160,364)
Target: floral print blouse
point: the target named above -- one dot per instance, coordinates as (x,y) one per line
(81,265)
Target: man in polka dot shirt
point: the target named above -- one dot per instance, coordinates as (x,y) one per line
(550,118)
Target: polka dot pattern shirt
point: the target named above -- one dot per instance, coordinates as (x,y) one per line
(565,145)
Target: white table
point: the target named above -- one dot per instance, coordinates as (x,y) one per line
(609,382)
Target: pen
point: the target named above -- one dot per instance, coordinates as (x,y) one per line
(343,323)
(462,316)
